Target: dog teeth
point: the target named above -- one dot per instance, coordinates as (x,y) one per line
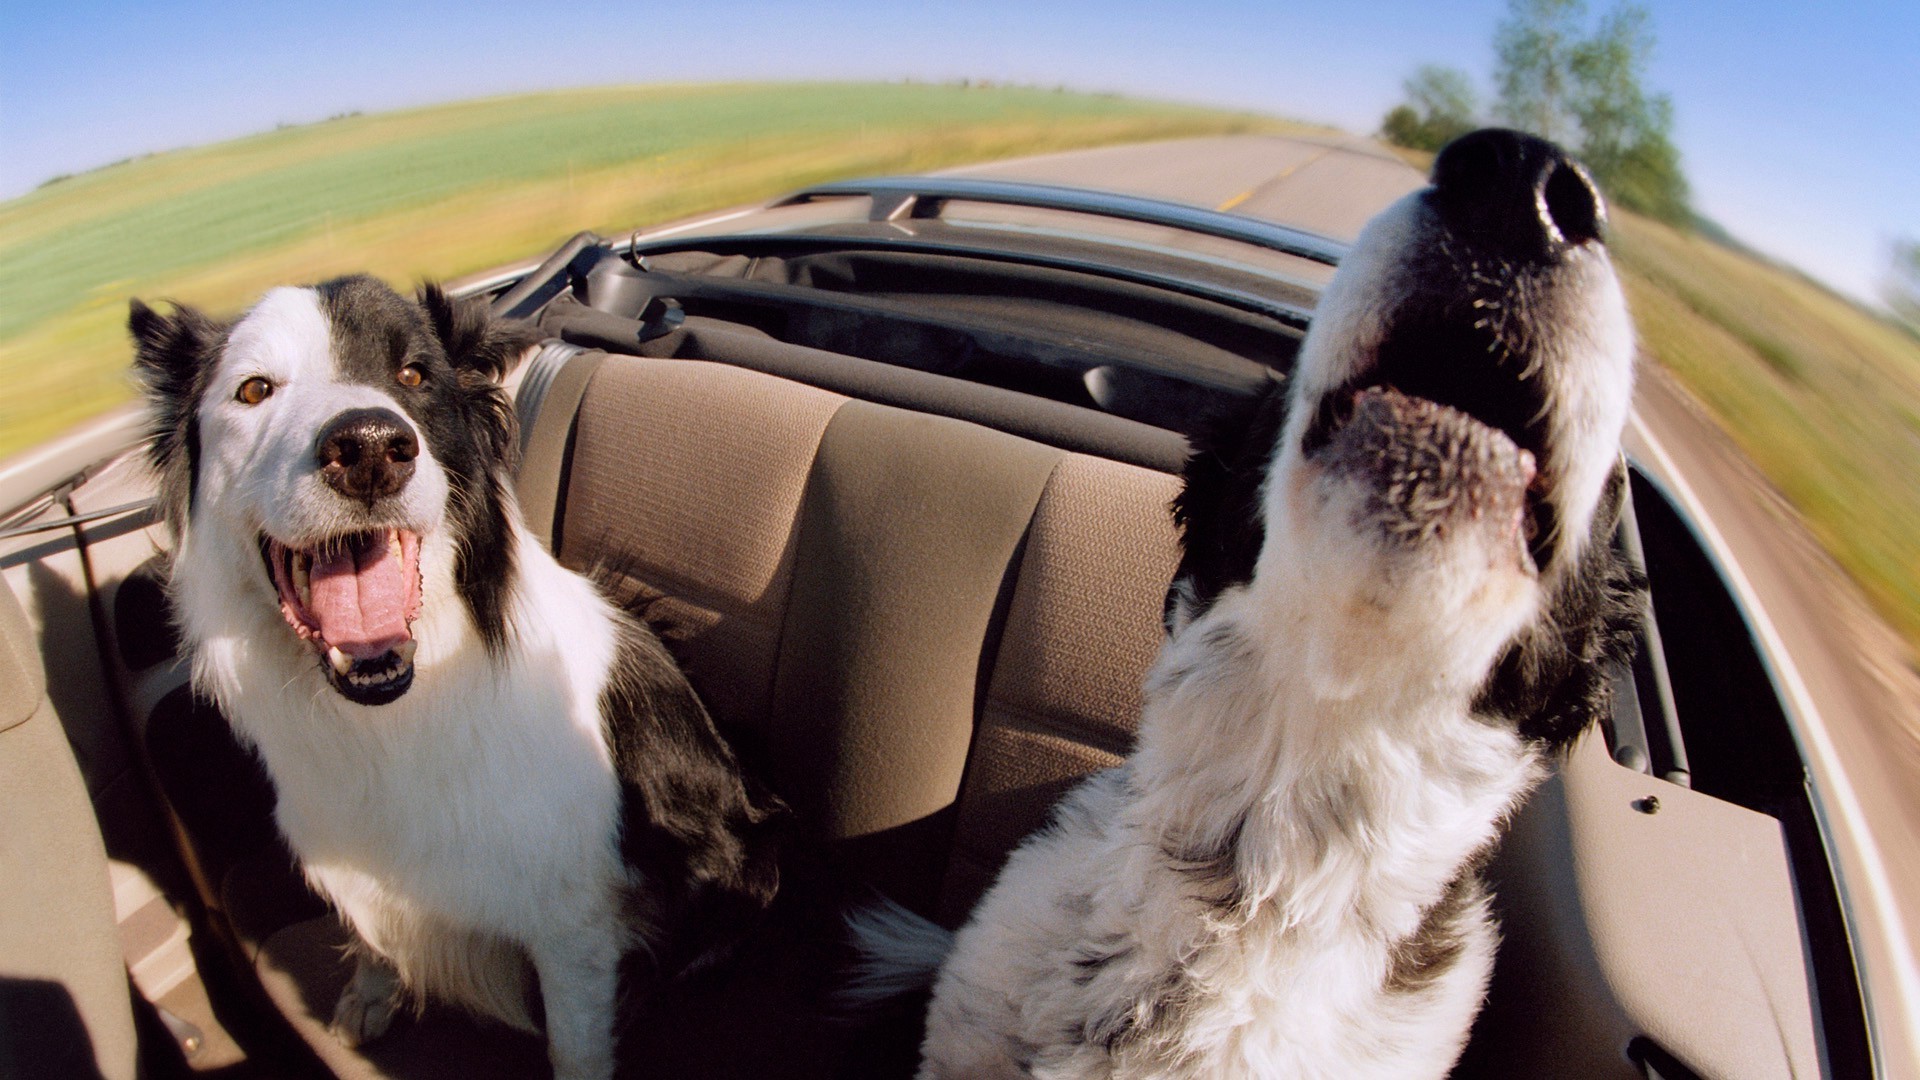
(342,663)
(302,579)
(393,544)
(405,651)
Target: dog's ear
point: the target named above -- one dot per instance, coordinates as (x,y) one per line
(476,342)
(170,350)
(172,355)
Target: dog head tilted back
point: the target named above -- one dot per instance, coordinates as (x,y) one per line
(1478,319)
(309,451)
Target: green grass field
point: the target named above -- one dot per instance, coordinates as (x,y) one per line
(442,191)
(1823,396)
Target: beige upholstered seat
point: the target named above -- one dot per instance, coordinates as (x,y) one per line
(64,1004)
(921,629)
(1064,698)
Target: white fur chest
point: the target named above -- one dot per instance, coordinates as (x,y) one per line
(1228,903)
(485,795)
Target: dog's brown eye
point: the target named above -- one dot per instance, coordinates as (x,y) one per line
(254,391)
(411,375)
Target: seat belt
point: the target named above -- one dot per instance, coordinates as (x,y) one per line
(549,396)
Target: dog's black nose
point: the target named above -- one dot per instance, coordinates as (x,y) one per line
(1520,195)
(366,454)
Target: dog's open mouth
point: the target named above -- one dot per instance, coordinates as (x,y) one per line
(1475,387)
(354,597)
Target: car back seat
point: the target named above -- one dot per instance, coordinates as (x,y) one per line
(919,630)
(922,630)
(65,1006)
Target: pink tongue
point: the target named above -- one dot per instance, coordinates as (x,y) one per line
(359,598)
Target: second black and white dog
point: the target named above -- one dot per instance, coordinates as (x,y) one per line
(492,773)
(1397,597)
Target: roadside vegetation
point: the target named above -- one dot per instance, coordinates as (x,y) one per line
(1902,288)
(444,191)
(1823,395)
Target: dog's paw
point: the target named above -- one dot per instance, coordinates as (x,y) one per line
(364,1013)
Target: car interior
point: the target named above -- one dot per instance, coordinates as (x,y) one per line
(901,508)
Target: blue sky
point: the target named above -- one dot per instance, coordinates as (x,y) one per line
(1800,129)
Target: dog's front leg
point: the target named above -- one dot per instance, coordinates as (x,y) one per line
(367,1006)
(579,979)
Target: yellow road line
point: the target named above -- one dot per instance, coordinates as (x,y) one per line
(1238,199)
(1272,180)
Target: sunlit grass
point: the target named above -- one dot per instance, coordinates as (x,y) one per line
(444,191)
(1819,393)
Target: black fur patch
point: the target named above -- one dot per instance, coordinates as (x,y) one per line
(1213,872)
(1146,1020)
(462,414)
(1415,961)
(1077,904)
(1218,508)
(706,845)
(1552,682)
(1093,958)
(172,357)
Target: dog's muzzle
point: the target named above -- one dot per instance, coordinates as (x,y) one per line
(1470,336)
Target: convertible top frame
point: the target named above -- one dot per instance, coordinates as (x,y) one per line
(896,197)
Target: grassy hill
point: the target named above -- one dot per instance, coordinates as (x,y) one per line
(443,191)
(1824,396)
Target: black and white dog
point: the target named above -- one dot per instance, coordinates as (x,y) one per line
(491,772)
(1397,597)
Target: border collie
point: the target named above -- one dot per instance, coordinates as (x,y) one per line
(493,774)
(1396,599)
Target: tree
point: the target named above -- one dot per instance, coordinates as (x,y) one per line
(1585,93)
(1605,99)
(1647,176)
(1533,72)
(1441,105)
(1902,288)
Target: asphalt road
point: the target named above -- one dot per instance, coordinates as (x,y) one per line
(1848,676)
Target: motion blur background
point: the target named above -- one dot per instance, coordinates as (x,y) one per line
(204,151)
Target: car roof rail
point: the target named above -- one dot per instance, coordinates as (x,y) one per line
(896,197)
